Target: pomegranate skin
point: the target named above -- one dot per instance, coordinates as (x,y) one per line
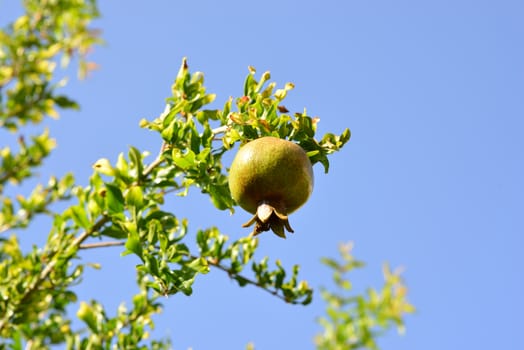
(271,171)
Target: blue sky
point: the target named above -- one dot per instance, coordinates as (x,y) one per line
(432,179)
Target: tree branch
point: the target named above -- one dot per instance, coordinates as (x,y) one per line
(220,129)
(101,244)
(51,265)
(156,162)
(211,262)
(233,274)
(76,243)
(159,159)
(20,221)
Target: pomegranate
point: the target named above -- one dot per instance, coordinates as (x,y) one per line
(271,178)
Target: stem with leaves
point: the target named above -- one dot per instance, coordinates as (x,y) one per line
(232,273)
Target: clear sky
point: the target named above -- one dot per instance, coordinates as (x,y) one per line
(432,179)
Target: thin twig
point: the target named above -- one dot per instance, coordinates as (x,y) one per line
(210,261)
(101,244)
(159,159)
(246,280)
(51,265)
(76,243)
(220,129)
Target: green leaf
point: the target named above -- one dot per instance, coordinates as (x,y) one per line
(242,281)
(122,169)
(200,265)
(152,264)
(310,154)
(206,99)
(66,102)
(184,161)
(133,245)
(79,216)
(17,341)
(136,161)
(221,197)
(250,83)
(114,200)
(87,314)
(204,154)
(113,232)
(226,110)
(345,136)
(104,166)
(207,114)
(332,263)
(135,197)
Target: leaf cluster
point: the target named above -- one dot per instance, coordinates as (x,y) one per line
(355,321)
(194,142)
(49,32)
(123,204)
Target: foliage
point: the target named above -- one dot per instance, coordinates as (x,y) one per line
(123,205)
(355,321)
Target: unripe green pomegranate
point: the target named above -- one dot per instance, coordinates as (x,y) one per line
(271,178)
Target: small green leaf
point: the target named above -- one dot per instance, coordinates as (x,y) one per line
(221,197)
(136,161)
(65,102)
(121,167)
(133,245)
(250,83)
(152,264)
(204,154)
(199,264)
(104,166)
(242,281)
(87,314)
(135,197)
(226,110)
(79,216)
(114,200)
(206,115)
(206,99)
(345,136)
(184,161)
(113,232)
